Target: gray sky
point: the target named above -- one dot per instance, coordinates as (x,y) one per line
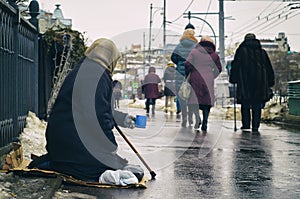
(119,17)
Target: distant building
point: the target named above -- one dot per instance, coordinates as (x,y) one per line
(53,20)
(136,48)
(279,44)
(282,42)
(269,45)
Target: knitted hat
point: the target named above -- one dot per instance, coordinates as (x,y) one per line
(250,36)
(189,26)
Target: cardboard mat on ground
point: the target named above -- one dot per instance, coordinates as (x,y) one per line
(14,162)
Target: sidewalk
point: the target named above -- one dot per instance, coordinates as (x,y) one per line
(218,164)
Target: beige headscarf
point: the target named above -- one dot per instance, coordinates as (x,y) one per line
(104,52)
(189,34)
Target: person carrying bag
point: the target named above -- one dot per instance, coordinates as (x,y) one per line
(185,89)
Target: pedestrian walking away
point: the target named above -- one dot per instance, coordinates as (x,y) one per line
(151,89)
(169,87)
(203,65)
(178,56)
(117,93)
(252,72)
(80,140)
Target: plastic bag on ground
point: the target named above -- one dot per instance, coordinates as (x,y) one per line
(118,177)
(137,170)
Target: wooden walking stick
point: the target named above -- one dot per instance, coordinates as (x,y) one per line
(152,173)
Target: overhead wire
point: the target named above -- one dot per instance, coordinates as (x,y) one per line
(157,34)
(268,6)
(264,24)
(179,17)
(205,17)
(285,18)
(254,21)
(276,6)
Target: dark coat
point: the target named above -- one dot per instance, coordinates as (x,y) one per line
(199,64)
(81,124)
(150,84)
(178,57)
(252,72)
(169,80)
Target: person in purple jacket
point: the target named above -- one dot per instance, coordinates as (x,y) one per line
(151,82)
(203,65)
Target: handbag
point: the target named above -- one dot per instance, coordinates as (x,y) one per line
(185,89)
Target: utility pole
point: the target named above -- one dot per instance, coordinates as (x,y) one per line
(221,33)
(164,36)
(150,37)
(144,54)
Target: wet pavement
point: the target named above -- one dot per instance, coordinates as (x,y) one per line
(218,164)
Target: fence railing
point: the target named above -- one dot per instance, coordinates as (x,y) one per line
(18,70)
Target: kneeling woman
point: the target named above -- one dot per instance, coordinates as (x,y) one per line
(80,140)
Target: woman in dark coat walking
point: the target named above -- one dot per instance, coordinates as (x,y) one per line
(203,65)
(253,73)
(179,55)
(150,85)
(80,140)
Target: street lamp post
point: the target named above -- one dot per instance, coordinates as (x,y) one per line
(190,16)
(150,30)
(221,32)
(164,36)
(150,37)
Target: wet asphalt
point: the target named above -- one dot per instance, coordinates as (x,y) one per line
(220,163)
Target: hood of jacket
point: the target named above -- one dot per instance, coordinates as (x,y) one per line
(104,52)
(151,70)
(206,47)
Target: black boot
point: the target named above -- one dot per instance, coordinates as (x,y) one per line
(204,126)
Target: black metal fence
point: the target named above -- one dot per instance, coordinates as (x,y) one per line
(19,70)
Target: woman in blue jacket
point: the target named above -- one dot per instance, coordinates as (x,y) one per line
(179,55)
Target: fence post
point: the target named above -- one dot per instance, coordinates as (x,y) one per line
(16,23)
(34,12)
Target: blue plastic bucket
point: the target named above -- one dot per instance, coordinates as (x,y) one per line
(140,121)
